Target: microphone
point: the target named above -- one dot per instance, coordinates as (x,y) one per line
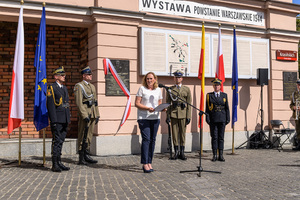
(163,86)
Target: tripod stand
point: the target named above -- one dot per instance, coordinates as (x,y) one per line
(199,168)
(259,138)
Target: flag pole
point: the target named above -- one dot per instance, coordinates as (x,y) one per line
(233,140)
(20,130)
(44,148)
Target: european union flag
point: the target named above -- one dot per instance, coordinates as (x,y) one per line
(234,84)
(40,109)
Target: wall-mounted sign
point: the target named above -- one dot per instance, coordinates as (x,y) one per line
(286,55)
(164,51)
(202,11)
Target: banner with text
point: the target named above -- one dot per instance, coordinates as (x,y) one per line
(202,11)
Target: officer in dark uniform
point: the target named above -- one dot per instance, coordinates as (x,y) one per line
(218,117)
(179,113)
(295,99)
(88,114)
(59,115)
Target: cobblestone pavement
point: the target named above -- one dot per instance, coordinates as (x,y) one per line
(252,174)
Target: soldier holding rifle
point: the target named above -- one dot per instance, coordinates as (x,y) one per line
(59,115)
(85,98)
(179,114)
(295,107)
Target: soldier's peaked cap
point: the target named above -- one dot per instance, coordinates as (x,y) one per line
(217,81)
(86,70)
(178,73)
(59,71)
(298,81)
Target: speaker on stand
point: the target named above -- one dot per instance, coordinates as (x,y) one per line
(259,138)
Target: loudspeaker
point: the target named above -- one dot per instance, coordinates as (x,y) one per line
(262,76)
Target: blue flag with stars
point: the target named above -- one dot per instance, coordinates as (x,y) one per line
(234,84)
(40,109)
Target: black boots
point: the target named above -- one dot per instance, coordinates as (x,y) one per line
(214,158)
(88,158)
(181,155)
(81,158)
(55,167)
(85,158)
(221,158)
(176,154)
(62,166)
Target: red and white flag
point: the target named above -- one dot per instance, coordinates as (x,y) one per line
(16,104)
(108,66)
(220,62)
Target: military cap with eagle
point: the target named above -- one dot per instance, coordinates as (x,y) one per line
(59,71)
(86,70)
(298,81)
(178,73)
(217,81)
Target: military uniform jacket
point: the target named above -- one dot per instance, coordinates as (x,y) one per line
(179,109)
(58,104)
(217,108)
(85,93)
(295,96)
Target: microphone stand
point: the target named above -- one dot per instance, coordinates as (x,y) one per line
(199,168)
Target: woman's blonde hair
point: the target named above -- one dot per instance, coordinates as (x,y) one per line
(144,82)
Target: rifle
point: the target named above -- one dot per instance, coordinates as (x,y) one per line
(86,130)
(169,141)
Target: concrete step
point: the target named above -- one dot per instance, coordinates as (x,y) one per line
(34,147)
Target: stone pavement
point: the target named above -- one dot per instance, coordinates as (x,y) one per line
(252,174)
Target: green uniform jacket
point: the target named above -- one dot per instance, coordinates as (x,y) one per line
(176,110)
(83,109)
(295,96)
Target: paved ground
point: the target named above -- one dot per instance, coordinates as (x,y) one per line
(252,174)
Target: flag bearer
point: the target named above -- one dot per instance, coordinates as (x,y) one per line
(59,115)
(218,117)
(88,114)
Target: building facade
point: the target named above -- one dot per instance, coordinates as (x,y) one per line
(143,35)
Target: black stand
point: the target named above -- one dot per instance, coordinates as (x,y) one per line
(259,138)
(169,141)
(199,168)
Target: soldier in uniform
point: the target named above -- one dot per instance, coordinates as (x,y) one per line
(218,117)
(295,99)
(88,115)
(179,113)
(59,115)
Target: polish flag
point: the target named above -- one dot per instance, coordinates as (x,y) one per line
(16,104)
(220,62)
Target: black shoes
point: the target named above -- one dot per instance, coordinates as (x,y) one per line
(85,158)
(81,158)
(221,158)
(55,167)
(62,166)
(176,154)
(215,158)
(181,155)
(88,158)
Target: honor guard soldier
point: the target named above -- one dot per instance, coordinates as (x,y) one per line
(59,115)
(218,117)
(295,107)
(88,115)
(179,113)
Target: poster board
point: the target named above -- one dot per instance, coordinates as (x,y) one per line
(165,51)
